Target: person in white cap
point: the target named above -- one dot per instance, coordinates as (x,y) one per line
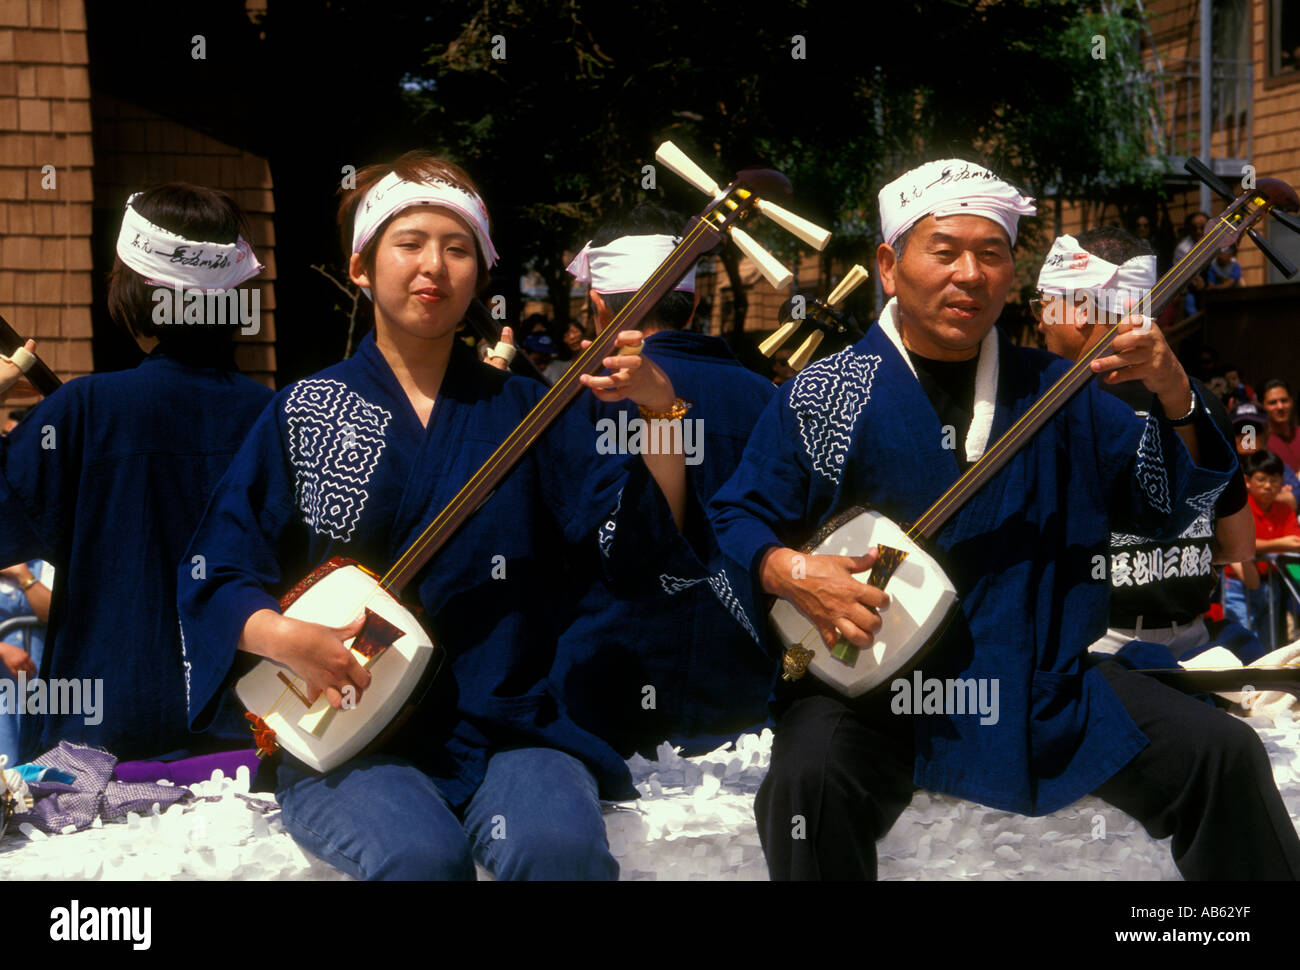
(1160,588)
(681,638)
(107,478)
(357,461)
(891,423)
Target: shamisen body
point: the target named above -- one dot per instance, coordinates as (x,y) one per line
(356,461)
(874,425)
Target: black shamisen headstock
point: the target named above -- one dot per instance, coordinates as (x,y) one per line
(824,317)
(1279,197)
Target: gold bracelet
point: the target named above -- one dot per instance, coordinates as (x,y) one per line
(678,409)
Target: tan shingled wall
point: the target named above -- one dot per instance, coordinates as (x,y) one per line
(136,148)
(1277,134)
(45,251)
(764,299)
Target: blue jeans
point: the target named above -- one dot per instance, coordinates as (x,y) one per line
(1250,608)
(536,816)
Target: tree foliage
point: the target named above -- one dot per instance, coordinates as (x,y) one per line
(840,98)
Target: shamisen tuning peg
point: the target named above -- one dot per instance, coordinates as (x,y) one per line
(823,315)
(675,159)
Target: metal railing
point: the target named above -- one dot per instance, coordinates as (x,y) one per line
(1176,86)
(1281,588)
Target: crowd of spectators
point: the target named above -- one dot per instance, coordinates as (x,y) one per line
(1263,596)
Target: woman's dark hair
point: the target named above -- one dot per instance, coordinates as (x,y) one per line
(1279,382)
(197,213)
(1262,461)
(413,166)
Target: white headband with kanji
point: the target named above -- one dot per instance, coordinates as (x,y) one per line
(950,187)
(391,194)
(162,257)
(1071,269)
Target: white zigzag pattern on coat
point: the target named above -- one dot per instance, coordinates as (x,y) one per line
(721,589)
(1204,503)
(336,438)
(605,537)
(675,584)
(827,398)
(1151,467)
(1120,539)
(185,659)
(1199,529)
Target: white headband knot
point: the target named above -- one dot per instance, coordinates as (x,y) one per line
(166,259)
(624,264)
(950,187)
(1071,269)
(391,194)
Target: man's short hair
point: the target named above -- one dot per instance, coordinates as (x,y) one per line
(900,243)
(1113,244)
(1262,461)
(674,310)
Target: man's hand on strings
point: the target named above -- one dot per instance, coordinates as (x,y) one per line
(312,651)
(823,589)
(1140,352)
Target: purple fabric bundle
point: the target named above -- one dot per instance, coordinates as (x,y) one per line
(94,794)
(187,771)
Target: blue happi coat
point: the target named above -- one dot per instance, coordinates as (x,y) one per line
(340,465)
(106,480)
(857,429)
(673,660)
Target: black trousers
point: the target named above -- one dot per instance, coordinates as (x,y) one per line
(841,775)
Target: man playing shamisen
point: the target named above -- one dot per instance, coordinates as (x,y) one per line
(868,426)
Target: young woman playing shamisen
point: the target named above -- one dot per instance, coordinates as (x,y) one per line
(356,461)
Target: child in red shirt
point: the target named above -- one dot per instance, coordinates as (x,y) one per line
(1245,590)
